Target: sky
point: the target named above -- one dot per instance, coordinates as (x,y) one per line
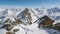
(29,3)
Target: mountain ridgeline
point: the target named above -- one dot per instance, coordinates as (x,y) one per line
(11,17)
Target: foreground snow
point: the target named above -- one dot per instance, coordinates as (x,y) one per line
(2,31)
(32,29)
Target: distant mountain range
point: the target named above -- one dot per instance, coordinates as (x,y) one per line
(13,16)
(53,13)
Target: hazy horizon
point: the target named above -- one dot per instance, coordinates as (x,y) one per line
(30,3)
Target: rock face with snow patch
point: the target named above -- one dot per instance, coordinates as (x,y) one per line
(25,16)
(45,21)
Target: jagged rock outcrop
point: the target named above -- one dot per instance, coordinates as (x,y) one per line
(45,21)
(7,25)
(10,33)
(25,16)
(56,26)
(15,30)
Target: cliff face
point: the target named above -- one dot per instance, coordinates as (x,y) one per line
(45,21)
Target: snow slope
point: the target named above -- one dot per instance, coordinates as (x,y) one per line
(30,29)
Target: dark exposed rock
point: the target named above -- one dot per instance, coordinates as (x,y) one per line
(45,21)
(17,21)
(10,33)
(8,27)
(15,30)
(0,23)
(56,26)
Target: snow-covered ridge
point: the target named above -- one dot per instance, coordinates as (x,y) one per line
(53,13)
(36,13)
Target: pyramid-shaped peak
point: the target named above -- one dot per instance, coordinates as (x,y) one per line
(26,9)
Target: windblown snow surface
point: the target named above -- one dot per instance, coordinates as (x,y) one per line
(29,29)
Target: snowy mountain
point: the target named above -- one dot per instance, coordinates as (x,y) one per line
(28,16)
